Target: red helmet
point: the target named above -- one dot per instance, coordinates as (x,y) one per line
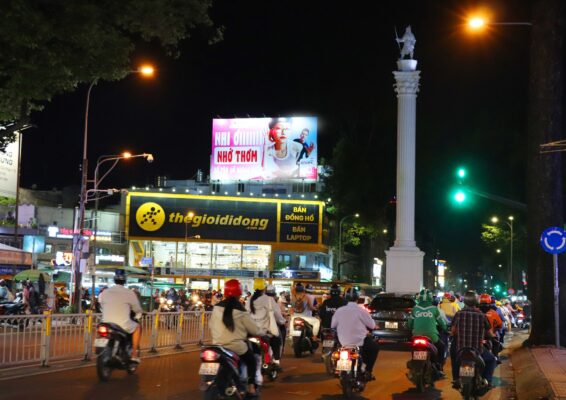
(485,299)
(232,288)
(447,295)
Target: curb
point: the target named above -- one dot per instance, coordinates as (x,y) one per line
(530,382)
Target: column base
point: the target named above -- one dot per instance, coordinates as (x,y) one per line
(404,270)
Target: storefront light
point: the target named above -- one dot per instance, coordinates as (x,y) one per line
(213,192)
(276,195)
(146,188)
(200,191)
(316,196)
(161,189)
(251,194)
(263,195)
(173,190)
(238,193)
(186,190)
(302,195)
(226,193)
(133,188)
(289,196)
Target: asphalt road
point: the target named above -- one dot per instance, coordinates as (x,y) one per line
(175,377)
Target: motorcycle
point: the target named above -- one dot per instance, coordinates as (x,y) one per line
(423,371)
(522,321)
(114,350)
(168,306)
(329,346)
(472,384)
(15,307)
(268,367)
(348,367)
(302,334)
(222,376)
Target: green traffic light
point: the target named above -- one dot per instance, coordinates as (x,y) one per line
(461,173)
(460,196)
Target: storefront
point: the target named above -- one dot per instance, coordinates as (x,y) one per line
(209,238)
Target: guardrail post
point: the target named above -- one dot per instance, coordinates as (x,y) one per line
(179,331)
(154,329)
(202,317)
(45,339)
(88,336)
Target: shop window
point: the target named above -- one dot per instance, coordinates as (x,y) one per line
(241,187)
(256,257)
(216,187)
(227,256)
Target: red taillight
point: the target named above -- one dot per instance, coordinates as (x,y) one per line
(103,331)
(299,322)
(344,355)
(209,355)
(419,342)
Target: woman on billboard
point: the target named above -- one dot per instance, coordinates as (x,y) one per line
(281,154)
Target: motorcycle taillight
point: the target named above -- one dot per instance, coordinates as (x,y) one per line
(419,342)
(344,354)
(103,331)
(209,355)
(298,322)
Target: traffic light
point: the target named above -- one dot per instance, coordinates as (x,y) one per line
(461,173)
(497,289)
(460,196)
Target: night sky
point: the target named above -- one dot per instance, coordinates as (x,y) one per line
(327,59)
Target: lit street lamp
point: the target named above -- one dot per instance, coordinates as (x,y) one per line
(356,215)
(495,220)
(478,22)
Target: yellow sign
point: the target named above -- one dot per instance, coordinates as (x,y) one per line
(150,216)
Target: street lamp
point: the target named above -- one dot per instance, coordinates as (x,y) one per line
(479,22)
(356,215)
(188,218)
(145,71)
(495,220)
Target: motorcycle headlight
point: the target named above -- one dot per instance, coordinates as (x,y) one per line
(169,302)
(161,300)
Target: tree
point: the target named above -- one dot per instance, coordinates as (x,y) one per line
(48,47)
(544,176)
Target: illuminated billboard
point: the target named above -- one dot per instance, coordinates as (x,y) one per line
(264,149)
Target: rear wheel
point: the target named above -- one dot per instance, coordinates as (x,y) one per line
(329,365)
(419,381)
(211,393)
(347,389)
(297,347)
(273,375)
(103,370)
(467,391)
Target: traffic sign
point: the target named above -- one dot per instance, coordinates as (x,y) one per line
(553,240)
(511,291)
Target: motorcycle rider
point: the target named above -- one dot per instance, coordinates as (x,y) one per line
(449,306)
(495,322)
(303,307)
(425,320)
(270,291)
(3,290)
(259,306)
(230,325)
(117,304)
(352,324)
(469,328)
(330,305)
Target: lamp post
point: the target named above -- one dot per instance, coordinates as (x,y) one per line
(340,242)
(189,217)
(146,71)
(495,220)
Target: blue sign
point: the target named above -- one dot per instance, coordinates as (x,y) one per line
(553,240)
(146,261)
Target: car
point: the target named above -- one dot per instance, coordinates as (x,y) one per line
(391,315)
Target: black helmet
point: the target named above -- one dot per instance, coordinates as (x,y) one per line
(351,294)
(335,290)
(120,277)
(471,298)
(309,288)
(2,282)
(299,288)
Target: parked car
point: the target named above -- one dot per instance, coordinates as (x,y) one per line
(391,315)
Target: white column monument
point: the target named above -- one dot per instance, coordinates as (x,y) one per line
(404,262)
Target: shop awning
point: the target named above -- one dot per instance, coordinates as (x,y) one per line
(128,268)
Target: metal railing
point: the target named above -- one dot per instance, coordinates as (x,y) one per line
(29,339)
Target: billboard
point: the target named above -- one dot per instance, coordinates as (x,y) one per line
(264,149)
(9,169)
(176,216)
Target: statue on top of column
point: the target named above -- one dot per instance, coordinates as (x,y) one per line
(408,41)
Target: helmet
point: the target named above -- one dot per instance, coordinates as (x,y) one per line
(351,294)
(232,288)
(299,288)
(270,290)
(120,277)
(485,299)
(309,288)
(424,296)
(492,300)
(335,290)
(471,298)
(498,303)
(259,284)
(447,295)
(2,282)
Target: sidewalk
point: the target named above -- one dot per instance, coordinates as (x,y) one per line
(540,373)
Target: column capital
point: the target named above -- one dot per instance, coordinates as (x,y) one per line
(406,82)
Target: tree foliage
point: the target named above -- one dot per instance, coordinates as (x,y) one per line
(48,47)
(494,235)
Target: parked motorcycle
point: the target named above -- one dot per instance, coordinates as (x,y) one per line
(15,307)
(329,346)
(302,333)
(268,367)
(348,369)
(221,375)
(472,384)
(423,371)
(114,350)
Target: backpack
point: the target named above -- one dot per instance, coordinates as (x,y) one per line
(299,306)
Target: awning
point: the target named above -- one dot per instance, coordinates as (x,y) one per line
(128,268)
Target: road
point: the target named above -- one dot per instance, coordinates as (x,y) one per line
(175,377)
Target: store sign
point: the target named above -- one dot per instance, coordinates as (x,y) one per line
(112,259)
(9,169)
(225,273)
(62,259)
(291,274)
(67,233)
(264,149)
(34,243)
(9,257)
(171,216)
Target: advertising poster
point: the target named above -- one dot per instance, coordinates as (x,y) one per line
(9,169)
(264,149)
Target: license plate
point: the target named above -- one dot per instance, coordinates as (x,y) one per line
(391,325)
(420,355)
(344,365)
(100,342)
(328,343)
(295,333)
(467,371)
(209,368)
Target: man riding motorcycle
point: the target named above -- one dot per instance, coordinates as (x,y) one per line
(425,320)
(495,322)
(302,306)
(352,324)
(470,327)
(117,304)
(330,305)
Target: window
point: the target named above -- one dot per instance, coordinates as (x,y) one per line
(241,187)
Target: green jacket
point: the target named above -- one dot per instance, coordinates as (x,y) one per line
(424,321)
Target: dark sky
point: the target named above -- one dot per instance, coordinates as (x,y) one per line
(327,59)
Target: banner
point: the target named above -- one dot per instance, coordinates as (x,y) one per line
(264,149)
(176,216)
(9,169)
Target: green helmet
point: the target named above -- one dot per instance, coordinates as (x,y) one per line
(424,296)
